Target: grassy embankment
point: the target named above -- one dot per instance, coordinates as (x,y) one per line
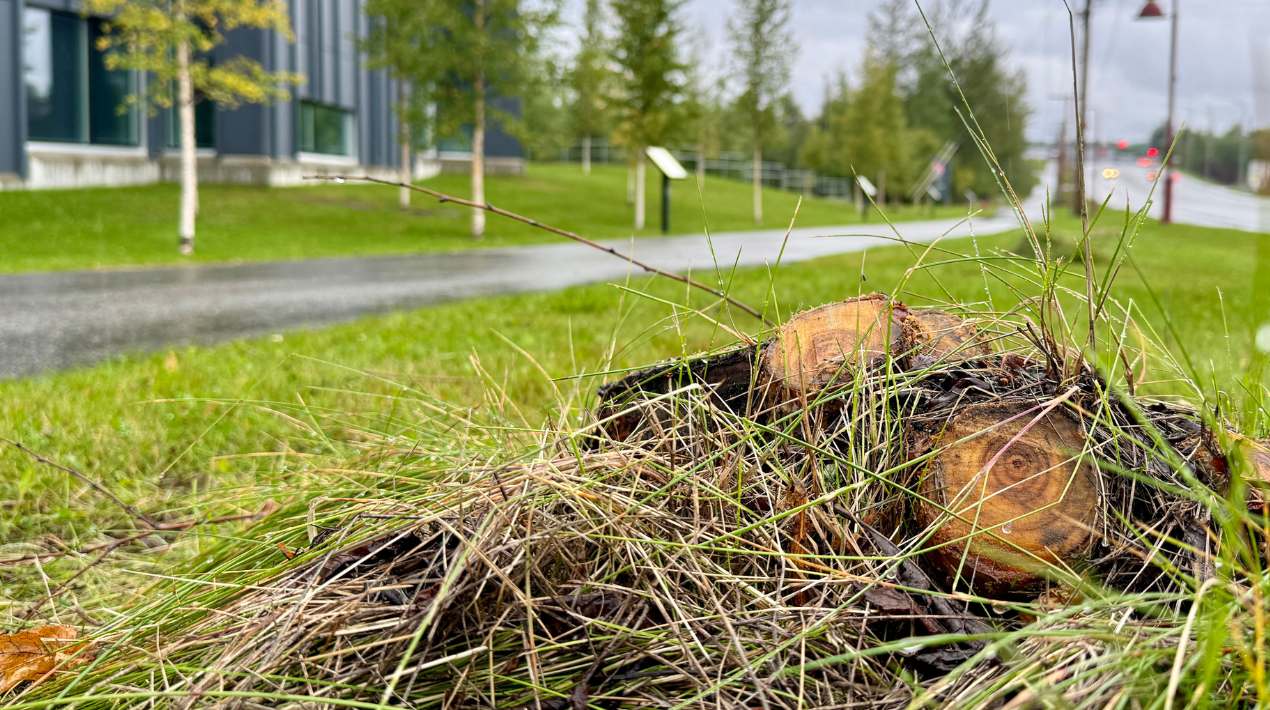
(78,229)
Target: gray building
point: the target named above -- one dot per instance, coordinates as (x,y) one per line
(60,123)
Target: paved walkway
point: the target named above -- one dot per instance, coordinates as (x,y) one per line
(51,321)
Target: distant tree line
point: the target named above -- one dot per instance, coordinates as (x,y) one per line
(637,77)
(1220,157)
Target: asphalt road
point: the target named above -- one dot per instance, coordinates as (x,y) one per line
(1195,201)
(53,321)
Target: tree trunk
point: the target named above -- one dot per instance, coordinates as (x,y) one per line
(478,131)
(630,182)
(818,348)
(1004,497)
(639,190)
(813,350)
(758,183)
(189,160)
(586,154)
(478,159)
(404,171)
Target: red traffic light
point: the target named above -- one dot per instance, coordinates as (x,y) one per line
(1122,144)
(1153,152)
(1144,162)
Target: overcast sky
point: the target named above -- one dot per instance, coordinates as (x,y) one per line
(1128,68)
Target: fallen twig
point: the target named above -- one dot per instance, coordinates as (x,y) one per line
(443,197)
(131,510)
(111,545)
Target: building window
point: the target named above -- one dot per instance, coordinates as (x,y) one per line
(52,67)
(204,124)
(71,95)
(325,129)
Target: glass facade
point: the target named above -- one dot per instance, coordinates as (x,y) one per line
(204,125)
(325,129)
(53,71)
(71,96)
(110,120)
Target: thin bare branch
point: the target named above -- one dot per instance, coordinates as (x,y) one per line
(443,197)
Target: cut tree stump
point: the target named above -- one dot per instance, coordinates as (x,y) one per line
(1009,501)
(724,376)
(811,351)
(1257,455)
(940,337)
(819,347)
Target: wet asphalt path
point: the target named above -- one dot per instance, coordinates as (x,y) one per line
(52,321)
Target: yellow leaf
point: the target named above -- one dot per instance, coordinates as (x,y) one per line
(34,654)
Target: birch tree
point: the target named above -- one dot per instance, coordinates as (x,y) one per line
(650,81)
(763,51)
(172,41)
(466,53)
(589,80)
(402,40)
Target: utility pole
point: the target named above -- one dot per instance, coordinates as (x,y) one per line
(1151,10)
(1168,175)
(1062,154)
(1078,196)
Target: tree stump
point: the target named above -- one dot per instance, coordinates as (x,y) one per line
(940,337)
(1006,497)
(821,346)
(1257,455)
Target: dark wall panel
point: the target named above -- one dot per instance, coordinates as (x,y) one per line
(12,93)
(244,130)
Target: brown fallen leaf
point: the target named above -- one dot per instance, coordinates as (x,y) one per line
(33,654)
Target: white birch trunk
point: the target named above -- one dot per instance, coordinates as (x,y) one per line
(189,164)
(478,132)
(478,159)
(405,172)
(758,183)
(586,154)
(639,191)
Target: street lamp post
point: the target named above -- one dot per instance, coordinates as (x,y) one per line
(1152,10)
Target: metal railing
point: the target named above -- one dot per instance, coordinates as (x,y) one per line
(736,166)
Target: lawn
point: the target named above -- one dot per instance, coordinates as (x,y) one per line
(197,433)
(90,228)
(155,427)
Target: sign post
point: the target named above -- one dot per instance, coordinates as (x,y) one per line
(867,187)
(670,169)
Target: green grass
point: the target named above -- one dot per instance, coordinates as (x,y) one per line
(153,427)
(90,228)
(373,408)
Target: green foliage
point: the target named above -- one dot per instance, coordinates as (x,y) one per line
(875,117)
(590,78)
(650,74)
(1222,157)
(992,90)
(862,129)
(446,50)
(825,150)
(762,48)
(546,126)
(142,35)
